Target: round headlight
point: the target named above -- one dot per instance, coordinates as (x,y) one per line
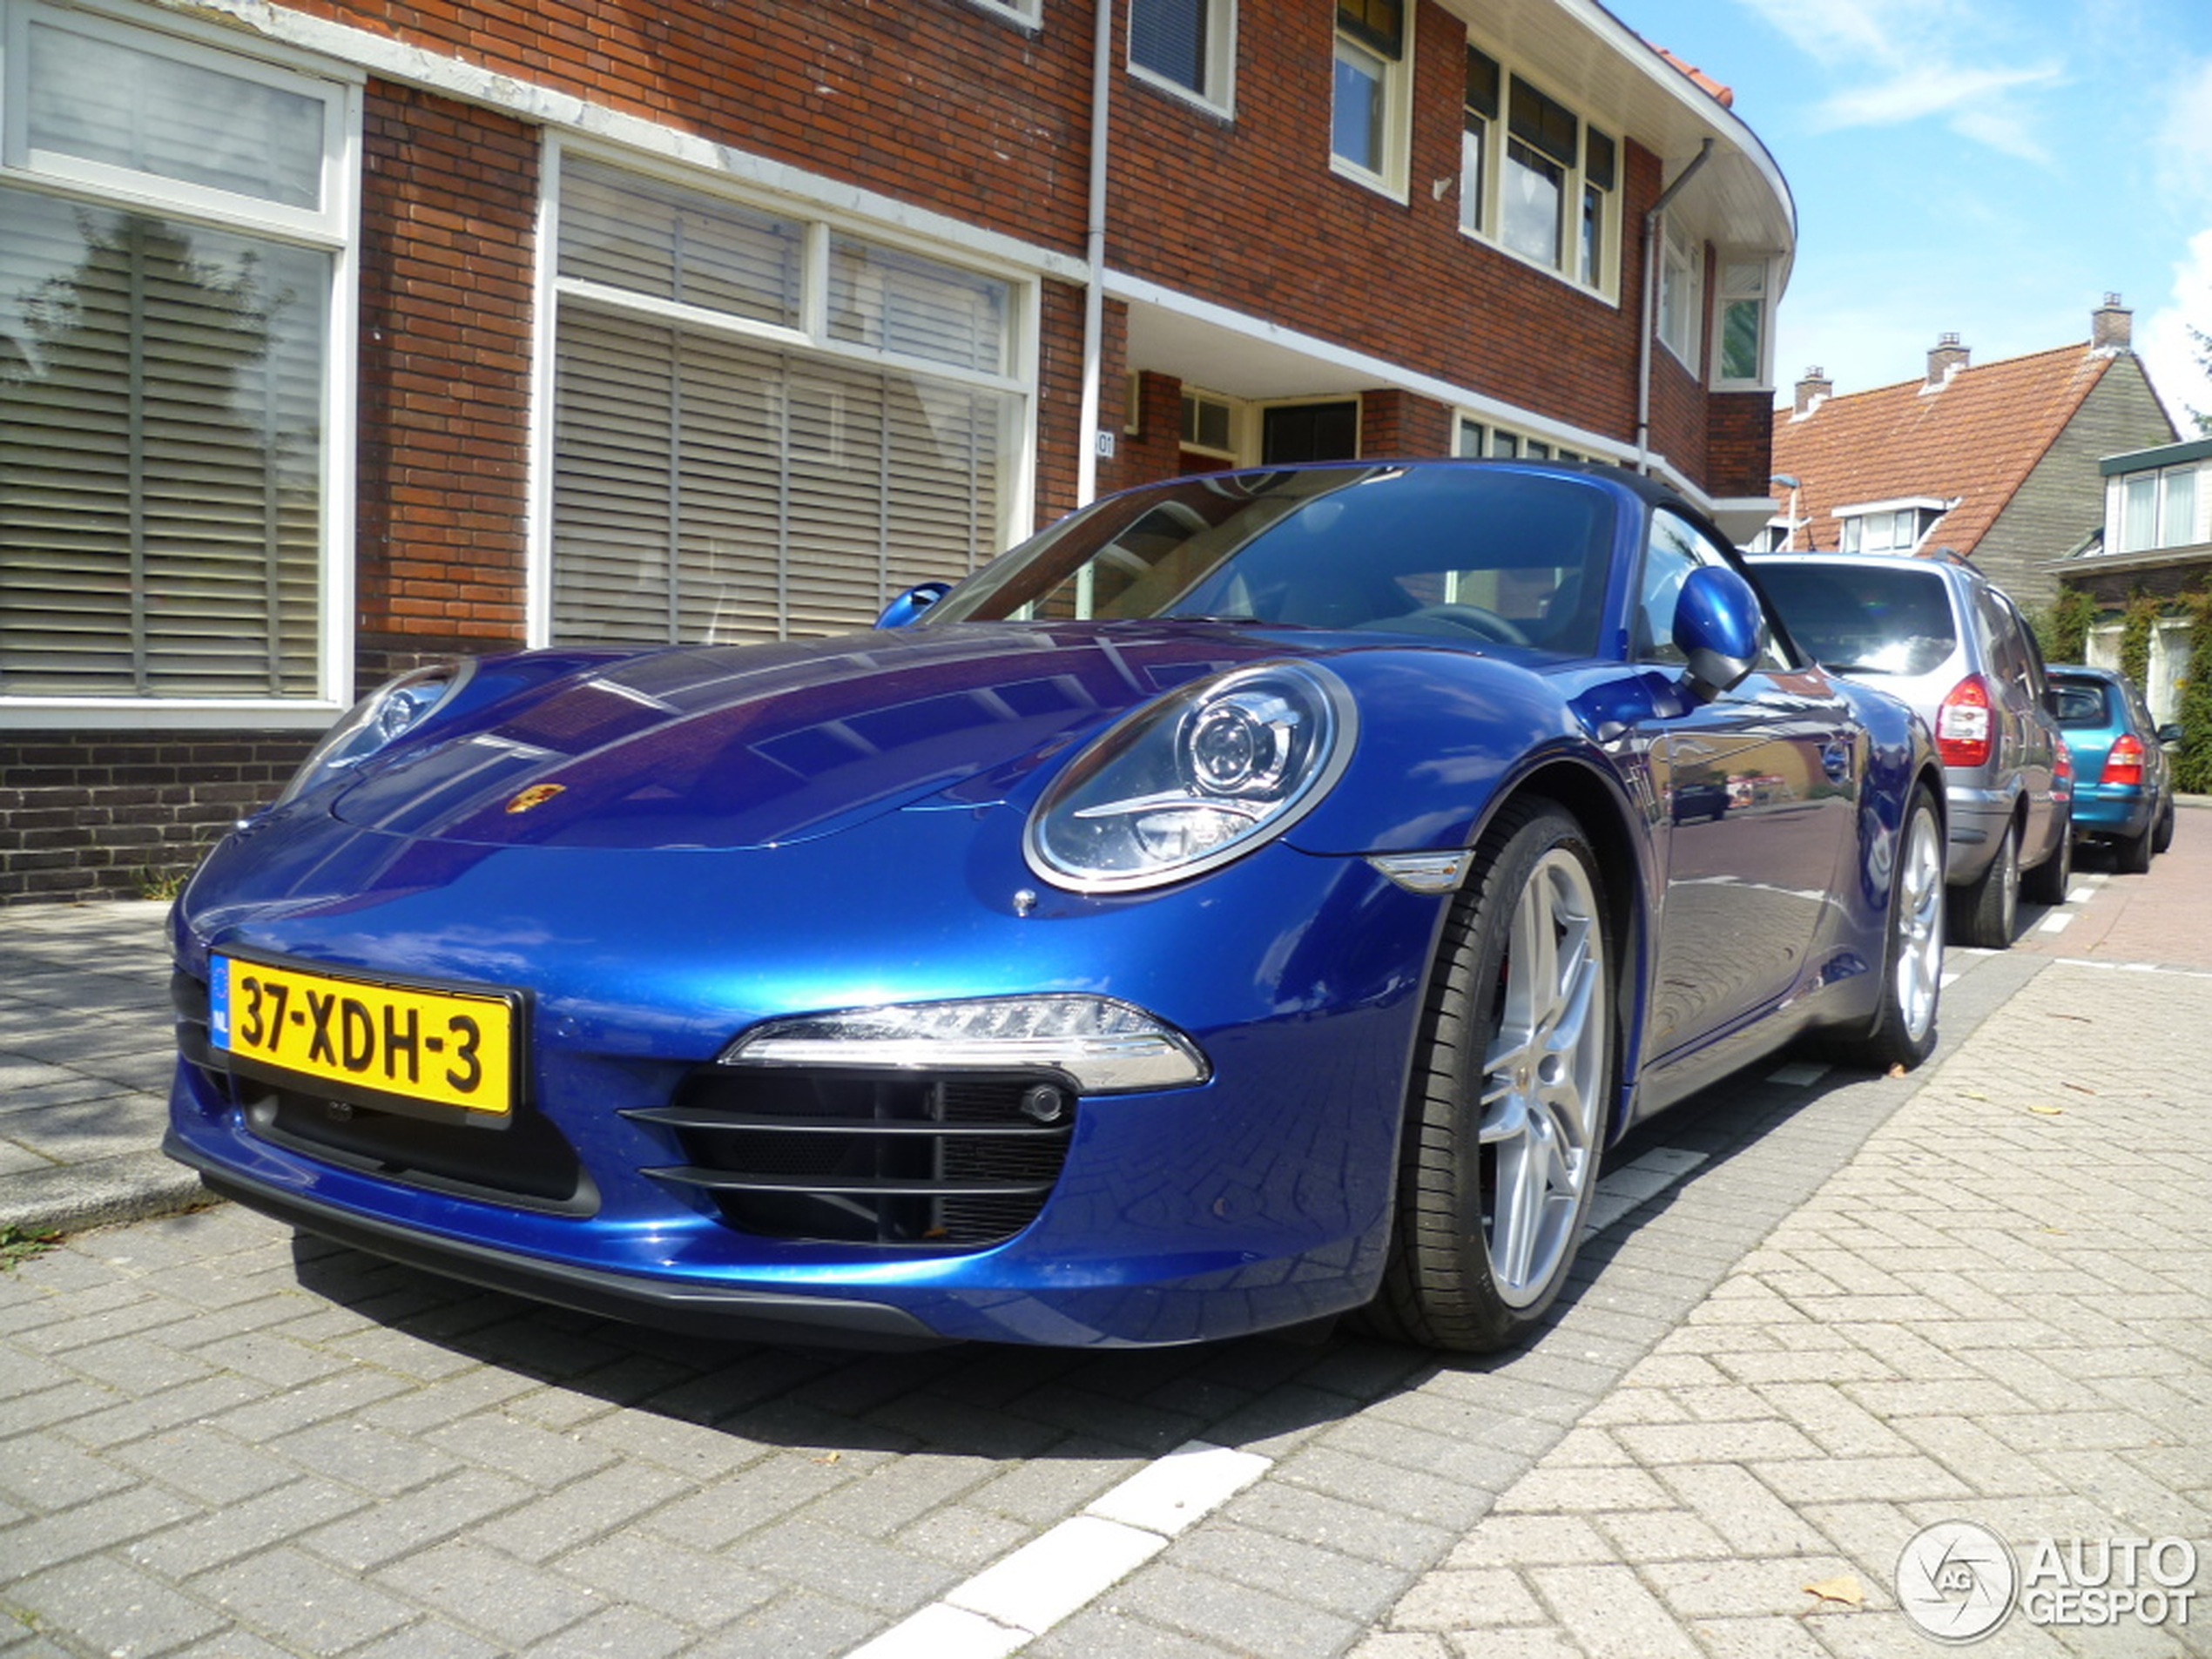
(376,721)
(1195,779)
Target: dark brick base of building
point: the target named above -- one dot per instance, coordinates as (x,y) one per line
(115,814)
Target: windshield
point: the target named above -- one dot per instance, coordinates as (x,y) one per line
(1868,619)
(1461,551)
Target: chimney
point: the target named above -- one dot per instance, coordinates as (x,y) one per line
(1813,389)
(2111,327)
(1946,360)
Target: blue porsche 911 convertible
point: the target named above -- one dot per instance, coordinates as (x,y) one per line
(1256,897)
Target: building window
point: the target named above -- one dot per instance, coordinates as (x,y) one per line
(1536,178)
(1478,139)
(1209,423)
(1188,45)
(1887,529)
(764,428)
(174,237)
(1367,108)
(1598,216)
(1472,440)
(2157,509)
(1294,432)
(1740,358)
(1681,296)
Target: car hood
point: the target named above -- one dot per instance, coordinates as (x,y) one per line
(739,746)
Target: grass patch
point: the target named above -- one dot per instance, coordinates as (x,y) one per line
(17,1244)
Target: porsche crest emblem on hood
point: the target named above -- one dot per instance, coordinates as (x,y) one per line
(535,795)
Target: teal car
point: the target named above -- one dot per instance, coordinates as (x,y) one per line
(2123,792)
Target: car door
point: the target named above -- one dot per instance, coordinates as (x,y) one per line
(1755,789)
(2028,731)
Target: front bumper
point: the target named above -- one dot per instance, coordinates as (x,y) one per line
(1258,1199)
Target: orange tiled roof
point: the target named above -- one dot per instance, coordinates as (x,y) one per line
(1973,441)
(1725,96)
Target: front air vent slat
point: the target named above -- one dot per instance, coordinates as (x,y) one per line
(904,1159)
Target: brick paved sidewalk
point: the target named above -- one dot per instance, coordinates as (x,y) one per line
(1999,1311)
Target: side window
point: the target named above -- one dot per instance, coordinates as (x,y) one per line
(1675,548)
(1669,557)
(2012,650)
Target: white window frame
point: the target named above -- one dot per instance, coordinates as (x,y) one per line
(1019,375)
(1025,14)
(332,228)
(1745,278)
(1927,510)
(1486,225)
(2165,531)
(1682,295)
(1394,87)
(1218,94)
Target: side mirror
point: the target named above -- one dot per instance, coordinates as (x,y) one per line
(1717,625)
(911,604)
(2170,735)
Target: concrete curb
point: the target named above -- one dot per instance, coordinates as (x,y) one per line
(135,1186)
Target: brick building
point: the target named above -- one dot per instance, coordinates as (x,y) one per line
(2001,462)
(337,335)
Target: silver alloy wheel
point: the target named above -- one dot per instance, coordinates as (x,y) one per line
(1544,1080)
(1919,901)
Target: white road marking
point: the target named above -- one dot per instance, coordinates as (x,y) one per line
(1621,1190)
(1019,1598)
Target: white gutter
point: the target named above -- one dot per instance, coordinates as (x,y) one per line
(1101,82)
(1651,301)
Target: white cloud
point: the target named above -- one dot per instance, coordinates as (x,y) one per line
(1901,62)
(2164,343)
(2185,138)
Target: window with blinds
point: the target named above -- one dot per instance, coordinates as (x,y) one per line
(715,481)
(164,376)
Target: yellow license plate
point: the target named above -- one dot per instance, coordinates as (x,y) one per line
(403,1044)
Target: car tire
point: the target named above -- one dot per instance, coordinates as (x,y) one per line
(2161,834)
(1987,907)
(2132,852)
(1903,1031)
(2048,882)
(1509,1096)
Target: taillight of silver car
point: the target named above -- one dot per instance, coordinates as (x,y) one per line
(1962,726)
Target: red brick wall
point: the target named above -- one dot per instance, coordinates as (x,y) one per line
(1740,457)
(928,100)
(1398,423)
(449,202)
(1250,214)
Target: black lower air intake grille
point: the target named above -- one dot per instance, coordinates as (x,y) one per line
(871,1158)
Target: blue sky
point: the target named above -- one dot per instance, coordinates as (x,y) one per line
(1987,167)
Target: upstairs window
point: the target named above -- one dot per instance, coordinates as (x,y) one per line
(1537,179)
(1186,45)
(2158,509)
(1740,335)
(1368,103)
(1682,287)
(1888,528)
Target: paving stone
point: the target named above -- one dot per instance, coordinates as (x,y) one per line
(298,1601)
(1608,1613)
(1235,1616)
(1455,1599)
(115,1606)
(429,1514)
(700,1590)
